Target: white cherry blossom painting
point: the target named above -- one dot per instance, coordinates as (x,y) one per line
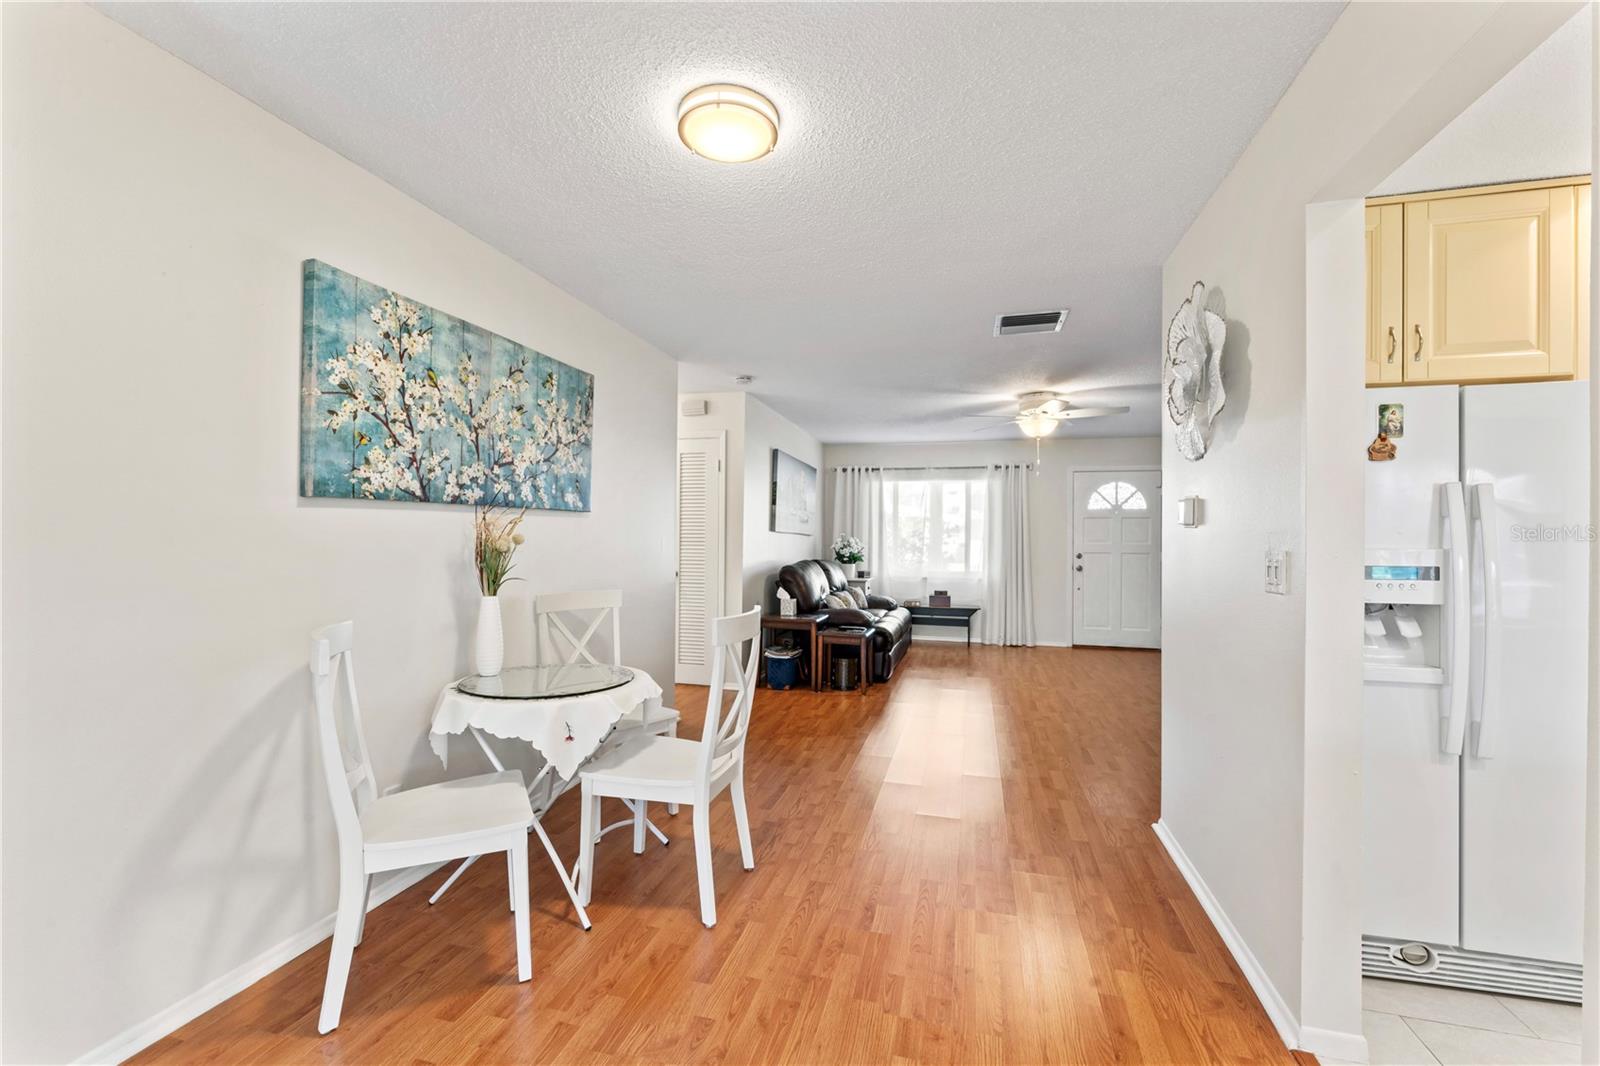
(403,402)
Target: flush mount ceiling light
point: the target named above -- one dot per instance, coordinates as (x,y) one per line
(728,123)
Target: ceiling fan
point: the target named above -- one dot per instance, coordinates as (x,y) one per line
(1039,413)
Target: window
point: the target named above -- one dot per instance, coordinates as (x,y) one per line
(1116,495)
(934,532)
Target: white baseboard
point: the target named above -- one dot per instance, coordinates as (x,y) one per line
(1283,1019)
(135,1039)
(1330,1045)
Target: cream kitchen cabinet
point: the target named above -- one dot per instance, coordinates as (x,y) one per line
(1385,294)
(1490,285)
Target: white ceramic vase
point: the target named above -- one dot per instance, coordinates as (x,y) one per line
(489,655)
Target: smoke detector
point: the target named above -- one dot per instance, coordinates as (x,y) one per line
(1029,322)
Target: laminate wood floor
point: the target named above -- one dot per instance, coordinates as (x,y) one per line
(956,867)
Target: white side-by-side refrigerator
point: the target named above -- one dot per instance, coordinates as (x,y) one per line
(1477,576)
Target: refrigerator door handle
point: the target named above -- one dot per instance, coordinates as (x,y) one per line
(1484,713)
(1459,621)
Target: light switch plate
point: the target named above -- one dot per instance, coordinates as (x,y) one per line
(1277,563)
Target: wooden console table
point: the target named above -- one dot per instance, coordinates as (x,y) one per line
(773,624)
(945,616)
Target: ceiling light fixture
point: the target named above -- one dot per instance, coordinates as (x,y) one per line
(1037,424)
(728,123)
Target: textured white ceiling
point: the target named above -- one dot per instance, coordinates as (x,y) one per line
(938,164)
(1532,123)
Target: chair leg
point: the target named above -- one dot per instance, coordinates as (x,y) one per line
(741,819)
(511,878)
(702,863)
(366,899)
(345,923)
(638,826)
(589,814)
(517,855)
(672,731)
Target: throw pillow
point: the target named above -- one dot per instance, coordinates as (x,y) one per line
(857,595)
(838,599)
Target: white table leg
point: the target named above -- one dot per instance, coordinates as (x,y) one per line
(561,871)
(468,861)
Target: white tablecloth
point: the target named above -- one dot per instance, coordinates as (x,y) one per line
(566,729)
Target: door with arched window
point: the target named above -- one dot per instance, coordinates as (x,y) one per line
(1116,564)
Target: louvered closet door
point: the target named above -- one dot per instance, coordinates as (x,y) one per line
(701,490)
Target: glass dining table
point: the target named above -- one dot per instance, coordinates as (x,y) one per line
(564,712)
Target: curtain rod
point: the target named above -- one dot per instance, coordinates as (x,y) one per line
(930,466)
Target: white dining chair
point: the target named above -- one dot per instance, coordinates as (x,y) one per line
(557,614)
(450,820)
(555,644)
(676,770)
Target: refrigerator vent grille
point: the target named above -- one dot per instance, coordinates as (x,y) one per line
(1476,970)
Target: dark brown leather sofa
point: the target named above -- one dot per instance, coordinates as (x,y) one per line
(809,581)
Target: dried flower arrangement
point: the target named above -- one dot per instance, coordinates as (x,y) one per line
(495,540)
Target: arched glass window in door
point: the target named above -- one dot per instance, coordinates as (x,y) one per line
(1117,496)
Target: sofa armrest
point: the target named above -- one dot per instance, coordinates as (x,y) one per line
(882,603)
(848,616)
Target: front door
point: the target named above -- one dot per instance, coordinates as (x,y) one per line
(1116,564)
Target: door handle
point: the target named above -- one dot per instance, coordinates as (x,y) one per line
(1458,620)
(1393,344)
(1488,708)
(1416,356)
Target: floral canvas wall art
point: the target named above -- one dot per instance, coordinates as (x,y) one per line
(403,402)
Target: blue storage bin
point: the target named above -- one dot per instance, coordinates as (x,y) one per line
(783,667)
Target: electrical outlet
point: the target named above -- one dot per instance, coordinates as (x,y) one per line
(1277,571)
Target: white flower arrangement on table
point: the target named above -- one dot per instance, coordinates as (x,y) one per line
(494,541)
(848,549)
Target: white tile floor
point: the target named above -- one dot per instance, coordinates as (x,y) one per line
(1420,1025)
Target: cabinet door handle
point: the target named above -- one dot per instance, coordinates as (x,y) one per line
(1393,344)
(1416,356)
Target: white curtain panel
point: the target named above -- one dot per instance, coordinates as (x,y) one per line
(858,511)
(1007,615)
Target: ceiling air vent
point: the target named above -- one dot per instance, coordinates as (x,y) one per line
(1031,322)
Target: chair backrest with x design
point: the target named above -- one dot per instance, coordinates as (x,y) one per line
(554,617)
(733,669)
(351,783)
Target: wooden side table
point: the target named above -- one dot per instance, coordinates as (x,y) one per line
(833,639)
(773,624)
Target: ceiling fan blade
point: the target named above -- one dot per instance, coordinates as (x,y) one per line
(1090,412)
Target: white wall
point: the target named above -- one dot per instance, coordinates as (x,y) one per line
(1255,767)
(753,553)
(165,819)
(1591,931)
(766,552)
(1049,501)
(1533,123)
